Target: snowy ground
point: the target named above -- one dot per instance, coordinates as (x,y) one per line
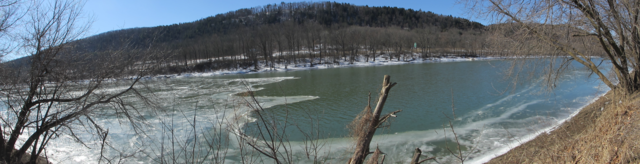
(380,60)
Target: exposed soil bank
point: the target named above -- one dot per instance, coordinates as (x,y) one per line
(605,131)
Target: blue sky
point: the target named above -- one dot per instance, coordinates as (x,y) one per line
(111,15)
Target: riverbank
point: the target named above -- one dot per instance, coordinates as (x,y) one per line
(605,131)
(379,61)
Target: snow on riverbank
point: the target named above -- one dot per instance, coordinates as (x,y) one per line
(380,61)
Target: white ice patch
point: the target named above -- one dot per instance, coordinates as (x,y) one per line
(216,103)
(508,145)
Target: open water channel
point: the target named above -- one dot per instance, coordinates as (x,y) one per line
(491,116)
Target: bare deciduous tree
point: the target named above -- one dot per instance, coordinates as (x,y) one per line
(59,90)
(569,28)
(11,12)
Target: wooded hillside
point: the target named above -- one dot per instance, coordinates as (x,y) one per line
(291,33)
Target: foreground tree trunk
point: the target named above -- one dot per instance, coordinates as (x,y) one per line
(369,122)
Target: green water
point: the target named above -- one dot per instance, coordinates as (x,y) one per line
(491,115)
(423,92)
(486,105)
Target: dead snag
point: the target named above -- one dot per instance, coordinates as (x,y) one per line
(375,157)
(416,157)
(369,122)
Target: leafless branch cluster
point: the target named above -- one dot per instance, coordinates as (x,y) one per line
(576,30)
(58,90)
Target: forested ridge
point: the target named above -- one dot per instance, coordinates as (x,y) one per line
(326,14)
(292,33)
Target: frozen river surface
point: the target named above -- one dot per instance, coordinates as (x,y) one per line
(490,116)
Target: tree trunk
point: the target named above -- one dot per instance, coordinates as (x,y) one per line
(363,141)
(416,157)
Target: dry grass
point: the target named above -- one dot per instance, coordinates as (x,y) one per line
(606,131)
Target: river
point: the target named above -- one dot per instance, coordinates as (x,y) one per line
(491,114)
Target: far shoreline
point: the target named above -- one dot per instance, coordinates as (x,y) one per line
(380,61)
